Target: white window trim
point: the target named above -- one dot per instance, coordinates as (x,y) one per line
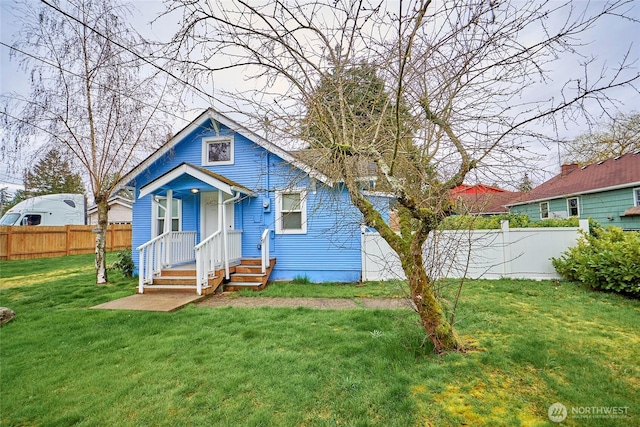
(154,217)
(636,196)
(569,207)
(217,140)
(548,212)
(303,210)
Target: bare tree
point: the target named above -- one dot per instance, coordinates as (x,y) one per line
(474,75)
(91,95)
(620,135)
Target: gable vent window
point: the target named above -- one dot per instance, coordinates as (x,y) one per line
(573,206)
(217,151)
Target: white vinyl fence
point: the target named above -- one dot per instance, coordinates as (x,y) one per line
(490,254)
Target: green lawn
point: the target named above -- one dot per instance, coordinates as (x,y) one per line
(538,343)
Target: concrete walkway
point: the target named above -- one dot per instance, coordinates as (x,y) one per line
(152,302)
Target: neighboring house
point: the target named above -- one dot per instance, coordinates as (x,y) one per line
(482,199)
(235,200)
(120,211)
(607,191)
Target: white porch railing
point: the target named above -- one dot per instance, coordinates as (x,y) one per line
(172,247)
(209,255)
(234,249)
(264,245)
(182,244)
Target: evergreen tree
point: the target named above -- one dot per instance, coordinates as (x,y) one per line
(4,200)
(52,175)
(526,185)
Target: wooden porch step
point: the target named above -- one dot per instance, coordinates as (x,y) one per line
(252,261)
(175,280)
(182,272)
(247,277)
(236,286)
(247,274)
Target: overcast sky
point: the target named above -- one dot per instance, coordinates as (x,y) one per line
(607,42)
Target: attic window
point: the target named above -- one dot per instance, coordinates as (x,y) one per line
(217,151)
(70,203)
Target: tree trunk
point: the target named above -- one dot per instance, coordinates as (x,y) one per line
(432,317)
(101,241)
(408,246)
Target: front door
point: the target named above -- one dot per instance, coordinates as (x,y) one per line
(211,221)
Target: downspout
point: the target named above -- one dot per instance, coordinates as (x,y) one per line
(224,232)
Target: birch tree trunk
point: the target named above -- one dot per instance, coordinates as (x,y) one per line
(101,241)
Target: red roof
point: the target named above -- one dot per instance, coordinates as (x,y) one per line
(615,172)
(481,198)
(476,189)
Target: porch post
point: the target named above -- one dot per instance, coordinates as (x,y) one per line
(168,226)
(222,226)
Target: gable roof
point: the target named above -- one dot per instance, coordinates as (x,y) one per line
(215,117)
(476,189)
(320,159)
(610,174)
(210,178)
(114,200)
(483,199)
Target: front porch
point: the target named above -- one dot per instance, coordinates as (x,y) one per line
(183,278)
(210,254)
(173,263)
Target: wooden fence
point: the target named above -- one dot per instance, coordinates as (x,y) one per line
(43,242)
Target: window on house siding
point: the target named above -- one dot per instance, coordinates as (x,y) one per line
(217,151)
(636,197)
(573,206)
(159,211)
(544,210)
(291,212)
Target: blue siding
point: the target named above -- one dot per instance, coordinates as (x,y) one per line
(330,251)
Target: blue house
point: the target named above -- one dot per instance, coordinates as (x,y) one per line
(219,204)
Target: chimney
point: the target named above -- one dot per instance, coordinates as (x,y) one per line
(567,169)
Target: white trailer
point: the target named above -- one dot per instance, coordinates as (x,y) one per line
(50,209)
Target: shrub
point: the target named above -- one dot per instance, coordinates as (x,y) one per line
(606,259)
(478,222)
(124,263)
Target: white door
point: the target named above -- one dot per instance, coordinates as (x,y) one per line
(210,219)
